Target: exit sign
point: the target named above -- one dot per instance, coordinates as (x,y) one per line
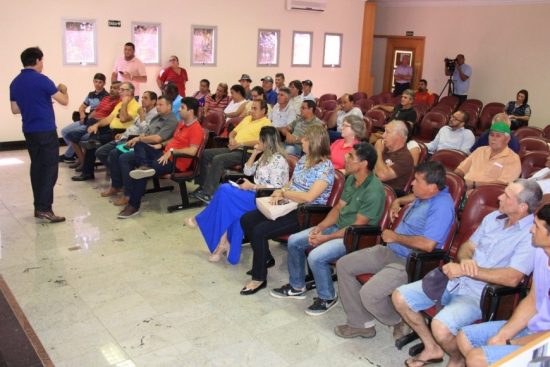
(114,23)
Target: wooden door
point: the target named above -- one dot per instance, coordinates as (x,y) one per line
(397,47)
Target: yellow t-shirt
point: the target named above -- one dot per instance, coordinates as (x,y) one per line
(132,108)
(248,130)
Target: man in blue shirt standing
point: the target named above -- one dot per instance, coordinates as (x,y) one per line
(31,95)
(461,77)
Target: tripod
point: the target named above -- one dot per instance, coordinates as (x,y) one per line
(449,85)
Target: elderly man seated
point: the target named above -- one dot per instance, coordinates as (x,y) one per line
(425,226)
(495,163)
(483,139)
(484,344)
(498,252)
(283,113)
(454,135)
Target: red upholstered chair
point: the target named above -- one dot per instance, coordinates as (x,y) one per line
(430,125)
(364,104)
(436,98)
(450,158)
(318,112)
(378,118)
(546,132)
(328,105)
(473,116)
(387,97)
(526,131)
(533,162)
(357,96)
(377,99)
(487,114)
(472,103)
(230,125)
(457,188)
(326,97)
(214,122)
(443,108)
(421,158)
(531,144)
(368,127)
(181,178)
(451,101)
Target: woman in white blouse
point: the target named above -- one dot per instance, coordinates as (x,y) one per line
(237,106)
(219,221)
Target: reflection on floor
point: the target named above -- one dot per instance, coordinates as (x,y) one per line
(100,291)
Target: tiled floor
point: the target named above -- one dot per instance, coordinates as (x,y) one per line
(100,291)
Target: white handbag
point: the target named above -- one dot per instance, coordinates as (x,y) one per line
(271,211)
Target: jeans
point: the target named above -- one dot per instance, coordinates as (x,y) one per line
(120,165)
(72,128)
(43,150)
(319,260)
(334,135)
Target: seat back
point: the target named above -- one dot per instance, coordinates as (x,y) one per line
(528,131)
(487,114)
(328,105)
(377,99)
(378,118)
(451,101)
(214,122)
(546,132)
(531,144)
(327,96)
(449,158)
(337,188)
(421,158)
(368,127)
(436,98)
(471,103)
(481,201)
(357,96)
(387,97)
(430,125)
(533,162)
(445,109)
(364,105)
(292,161)
(457,188)
(230,125)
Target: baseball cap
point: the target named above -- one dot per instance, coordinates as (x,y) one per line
(268,79)
(245,77)
(500,127)
(308,82)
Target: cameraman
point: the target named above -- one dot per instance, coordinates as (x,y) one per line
(461,77)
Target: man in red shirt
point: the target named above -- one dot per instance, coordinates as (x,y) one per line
(173,73)
(154,160)
(422,95)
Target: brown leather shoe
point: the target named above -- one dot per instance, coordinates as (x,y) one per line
(121,201)
(346,331)
(128,212)
(111,192)
(48,216)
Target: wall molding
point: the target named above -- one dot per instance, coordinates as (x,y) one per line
(455,3)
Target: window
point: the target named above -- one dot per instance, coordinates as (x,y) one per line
(203,45)
(332,52)
(268,47)
(301,48)
(146,37)
(79,42)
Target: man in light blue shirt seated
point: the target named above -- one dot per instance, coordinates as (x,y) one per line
(498,252)
(454,135)
(486,343)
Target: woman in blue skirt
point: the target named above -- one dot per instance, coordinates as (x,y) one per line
(219,221)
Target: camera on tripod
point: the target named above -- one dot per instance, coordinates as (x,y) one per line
(450,64)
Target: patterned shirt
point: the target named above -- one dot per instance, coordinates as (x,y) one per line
(273,174)
(303,178)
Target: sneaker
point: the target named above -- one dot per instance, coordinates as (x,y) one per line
(346,331)
(321,306)
(128,212)
(142,172)
(286,291)
(64,158)
(204,197)
(193,194)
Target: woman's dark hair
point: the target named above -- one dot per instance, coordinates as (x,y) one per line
(237,88)
(171,91)
(434,173)
(205,81)
(260,91)
(298,85)
(526,94)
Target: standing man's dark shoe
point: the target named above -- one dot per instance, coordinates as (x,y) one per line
(82,177)
(49,215)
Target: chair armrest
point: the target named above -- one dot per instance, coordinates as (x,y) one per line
(176,156)
(419,263)
(313,214)
(234,176)
(498,302)
(355,233)
(220,141)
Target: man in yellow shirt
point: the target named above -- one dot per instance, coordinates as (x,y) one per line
(214,161)
(103,131)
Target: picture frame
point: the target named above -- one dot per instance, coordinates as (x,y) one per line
(269,42)
(332,50)
(146,38)
(399,55)
(302,44)
(79,42)
(203,45)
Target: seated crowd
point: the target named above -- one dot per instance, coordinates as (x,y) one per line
(292,152)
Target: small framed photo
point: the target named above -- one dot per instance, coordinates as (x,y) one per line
(146,37)
(332,51)
(268,47)
(402,55)
(79,42)
(301,48)
(203,45)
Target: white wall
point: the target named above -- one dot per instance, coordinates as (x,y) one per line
(35,22)
(506,45)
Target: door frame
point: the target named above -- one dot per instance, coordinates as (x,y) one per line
(415,44)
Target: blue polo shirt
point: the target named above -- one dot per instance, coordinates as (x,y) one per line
(431,218)
(33,91)
(271,97)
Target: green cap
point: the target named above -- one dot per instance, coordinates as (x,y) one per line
(500,127)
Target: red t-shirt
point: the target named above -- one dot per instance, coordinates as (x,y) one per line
(105,107)
(184,137)
(169,75)
(425,97)
(338,152)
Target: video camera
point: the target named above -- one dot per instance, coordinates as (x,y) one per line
(450,64)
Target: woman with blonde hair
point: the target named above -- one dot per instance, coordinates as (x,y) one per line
(219,221)
(217,101)
(311,183)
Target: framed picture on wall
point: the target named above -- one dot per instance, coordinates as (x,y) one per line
(203,45)
(146,37)
(301,48)
(402,55)
(268,47)
(332,50)
(79,42)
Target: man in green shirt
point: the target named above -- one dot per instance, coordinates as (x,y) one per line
(362,202)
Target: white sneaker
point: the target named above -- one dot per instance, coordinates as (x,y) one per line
(138,174)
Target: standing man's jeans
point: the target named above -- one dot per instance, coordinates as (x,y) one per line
(74,128)
(43,150)
(319,260)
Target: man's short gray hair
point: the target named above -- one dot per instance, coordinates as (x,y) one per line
(400,128)
(530,195)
